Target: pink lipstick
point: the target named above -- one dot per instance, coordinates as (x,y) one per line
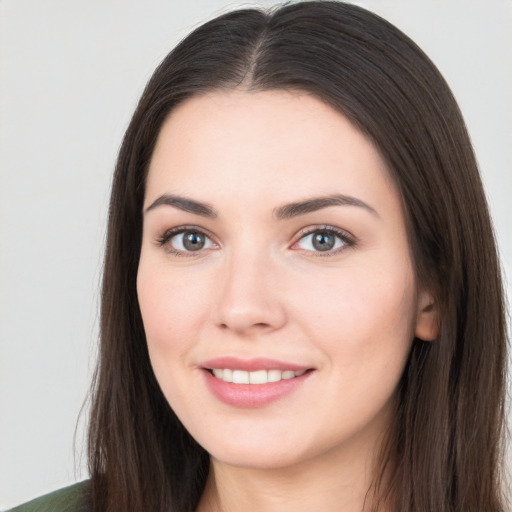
(252,383)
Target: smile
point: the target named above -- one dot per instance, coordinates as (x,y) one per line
(255,377)
(255,382)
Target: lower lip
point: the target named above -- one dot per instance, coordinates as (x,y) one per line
(251,396)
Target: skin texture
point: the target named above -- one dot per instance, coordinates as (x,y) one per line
(259,288)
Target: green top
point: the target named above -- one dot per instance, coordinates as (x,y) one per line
(69,499)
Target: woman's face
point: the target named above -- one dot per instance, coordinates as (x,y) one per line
(275,255)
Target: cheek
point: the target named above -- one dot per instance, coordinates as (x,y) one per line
(363,325)
(362,317)
(172,308)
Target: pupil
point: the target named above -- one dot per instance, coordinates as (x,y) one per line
(323,241)
(193,241)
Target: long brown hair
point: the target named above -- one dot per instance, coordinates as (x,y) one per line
(443,451)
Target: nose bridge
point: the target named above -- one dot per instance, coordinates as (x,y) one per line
(249,294)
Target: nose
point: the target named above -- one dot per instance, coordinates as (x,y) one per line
(250,300)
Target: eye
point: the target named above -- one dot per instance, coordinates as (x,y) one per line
(186,241)
(323,240)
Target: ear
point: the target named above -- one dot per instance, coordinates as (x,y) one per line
(427,318)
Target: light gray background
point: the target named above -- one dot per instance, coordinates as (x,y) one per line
(71,72)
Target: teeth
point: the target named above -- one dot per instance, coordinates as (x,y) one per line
(256,377)
(259,377)
(240,377)
(273,375)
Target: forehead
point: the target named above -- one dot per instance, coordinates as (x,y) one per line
(272,144)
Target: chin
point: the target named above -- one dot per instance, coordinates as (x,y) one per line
(256,458)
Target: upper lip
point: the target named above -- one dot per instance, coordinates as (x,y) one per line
(250,365)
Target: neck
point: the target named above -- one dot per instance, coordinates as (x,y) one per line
(331,482)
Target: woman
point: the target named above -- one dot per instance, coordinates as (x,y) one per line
(302,306)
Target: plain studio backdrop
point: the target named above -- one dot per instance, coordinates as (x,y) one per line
(71,72)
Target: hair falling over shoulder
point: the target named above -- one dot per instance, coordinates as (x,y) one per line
(445,448)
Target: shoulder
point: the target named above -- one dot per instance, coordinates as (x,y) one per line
(69,499)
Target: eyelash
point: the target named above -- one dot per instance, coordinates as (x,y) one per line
(170,233)
(346,238)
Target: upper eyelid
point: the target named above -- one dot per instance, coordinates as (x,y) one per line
(163,241)
(346,237)
(308,230)
(342,233)
(169,233)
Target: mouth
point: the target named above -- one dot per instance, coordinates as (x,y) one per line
(253,383)
(255,377)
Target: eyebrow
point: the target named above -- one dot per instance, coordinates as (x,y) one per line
(318,203)
(286,211)
(185,204)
